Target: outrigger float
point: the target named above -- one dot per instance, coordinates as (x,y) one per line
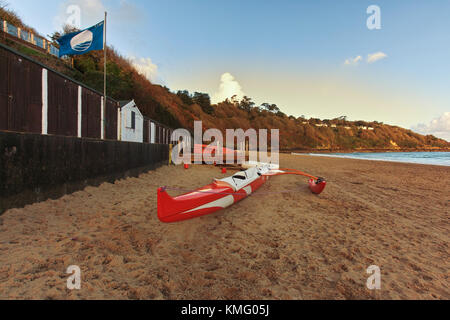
(223,193)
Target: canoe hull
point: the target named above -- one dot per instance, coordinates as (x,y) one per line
(203,201)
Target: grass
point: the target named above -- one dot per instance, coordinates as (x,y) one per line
(30,52)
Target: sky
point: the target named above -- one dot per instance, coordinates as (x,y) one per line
(313,58)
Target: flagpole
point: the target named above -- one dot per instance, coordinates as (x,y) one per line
(104,70)
(104,50)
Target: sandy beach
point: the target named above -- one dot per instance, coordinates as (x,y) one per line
(281,243)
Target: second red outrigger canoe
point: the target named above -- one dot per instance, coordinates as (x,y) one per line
(222,193)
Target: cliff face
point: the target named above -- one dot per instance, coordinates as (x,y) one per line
(304,134)
(181,109)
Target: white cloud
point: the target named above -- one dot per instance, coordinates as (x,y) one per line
(439,127)
(373,57)
(228,88)
(353,61)
(146,67)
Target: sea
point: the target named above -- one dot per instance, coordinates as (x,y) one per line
(433,158)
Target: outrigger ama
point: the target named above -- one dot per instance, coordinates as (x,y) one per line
(223,193)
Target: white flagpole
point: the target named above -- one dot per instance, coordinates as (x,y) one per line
(104,74)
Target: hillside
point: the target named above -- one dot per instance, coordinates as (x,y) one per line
(182,108)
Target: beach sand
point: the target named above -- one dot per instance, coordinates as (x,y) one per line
(281,243)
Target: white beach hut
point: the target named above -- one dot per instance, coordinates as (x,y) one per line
(131,122)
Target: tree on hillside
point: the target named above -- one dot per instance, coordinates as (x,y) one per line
(246,104)
(281,114)
(265,106)
(66,30)
(361,123)
(315,121)
(185,96)
(204,101)
(270,107)
(234,100)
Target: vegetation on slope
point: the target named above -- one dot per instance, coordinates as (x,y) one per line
(11,16)
(180,109)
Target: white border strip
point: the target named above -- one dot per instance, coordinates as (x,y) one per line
(119,124)
(44,101)
(80,111)
(102,135)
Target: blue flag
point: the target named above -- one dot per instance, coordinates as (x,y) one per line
(83,41)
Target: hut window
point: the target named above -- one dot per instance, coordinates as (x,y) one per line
(133,120)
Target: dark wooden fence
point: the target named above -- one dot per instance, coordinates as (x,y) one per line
(147,133)
(62,106)
(91,114)
(30,91)
(36,99)
(35,167)
(50,139)
(20,94)
(111,120)
(162,133)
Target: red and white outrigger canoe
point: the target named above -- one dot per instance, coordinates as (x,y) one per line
(222,193)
